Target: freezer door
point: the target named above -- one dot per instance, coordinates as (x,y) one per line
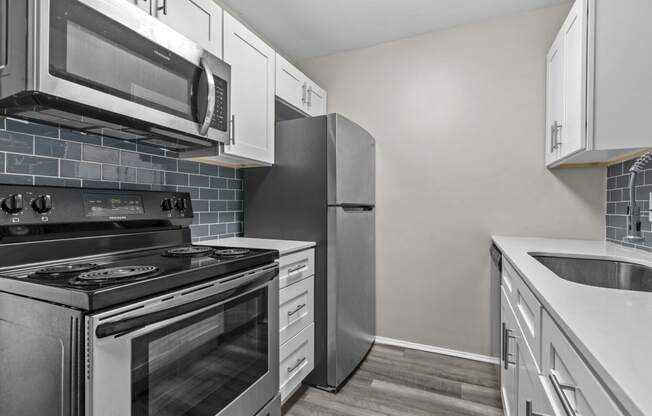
(351,163)
(351,289)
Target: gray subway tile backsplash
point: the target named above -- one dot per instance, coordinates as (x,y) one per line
(44,146)
(100,154)
(618,201)
(84,170)
(31,165)
(35,154)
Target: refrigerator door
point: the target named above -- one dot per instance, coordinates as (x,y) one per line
(351,163)
(351,289)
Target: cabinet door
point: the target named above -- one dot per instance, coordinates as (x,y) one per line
(198,20)
(291,84)
(572,133)
(509,358)
(554,98)
(530,387)
(316,100)
(252,93)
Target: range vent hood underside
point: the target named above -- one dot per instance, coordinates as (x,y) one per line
(46,109)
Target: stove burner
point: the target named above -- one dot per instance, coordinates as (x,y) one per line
(232,252)
(113,274)
(65,269)
(190,251)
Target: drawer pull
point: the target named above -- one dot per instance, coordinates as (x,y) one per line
(559,389)
(297,309)
(295,366)
(529,411)
(297,269)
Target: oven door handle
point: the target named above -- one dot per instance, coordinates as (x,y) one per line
(211,97)
(135,323)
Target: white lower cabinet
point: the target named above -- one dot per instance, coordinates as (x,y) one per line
(509,358)
(296,319)
(297,358)
(555,383)
(578,389)
(296,308)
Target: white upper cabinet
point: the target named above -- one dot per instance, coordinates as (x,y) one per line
(296,89)
(555,98)
(316,100)
(597,96)
(252,95)
(198,20)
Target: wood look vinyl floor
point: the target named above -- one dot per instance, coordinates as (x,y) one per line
(403,382)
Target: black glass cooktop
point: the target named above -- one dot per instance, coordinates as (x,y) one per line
(93,283)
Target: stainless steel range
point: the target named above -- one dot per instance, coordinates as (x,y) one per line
(106,309)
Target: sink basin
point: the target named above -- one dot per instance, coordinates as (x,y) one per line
(599,272)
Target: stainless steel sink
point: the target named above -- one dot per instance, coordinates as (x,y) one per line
(598,272)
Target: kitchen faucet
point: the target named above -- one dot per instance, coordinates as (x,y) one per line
(634,234)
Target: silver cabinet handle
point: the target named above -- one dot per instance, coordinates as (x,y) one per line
(232,138)
(303,93)
(296,269)
(297,309)
(309,97)
(560,389)
(211,97)
(295,366)
(556,134)
(163,8)
(552,138)
(506,354)
(529,411)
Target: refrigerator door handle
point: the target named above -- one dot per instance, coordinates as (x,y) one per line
(354,207)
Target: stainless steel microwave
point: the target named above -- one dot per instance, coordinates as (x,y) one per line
(107,67)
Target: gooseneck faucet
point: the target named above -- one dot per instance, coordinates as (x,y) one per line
(634,234)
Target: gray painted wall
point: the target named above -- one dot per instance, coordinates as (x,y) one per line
(38,154)
(458,116)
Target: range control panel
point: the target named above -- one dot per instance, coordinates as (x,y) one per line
(29,205)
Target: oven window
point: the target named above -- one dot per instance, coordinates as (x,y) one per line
(90,49)
(199,365)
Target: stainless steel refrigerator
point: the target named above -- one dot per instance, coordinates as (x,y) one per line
(322,188)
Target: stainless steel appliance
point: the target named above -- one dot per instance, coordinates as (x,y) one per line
(322,188)
(107,310)
(107,66)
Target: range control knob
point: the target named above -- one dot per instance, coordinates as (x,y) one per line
(181,204)
(13,203)
(167,204)
(42,204)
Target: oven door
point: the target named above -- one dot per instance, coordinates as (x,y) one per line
(204,351)
(115,57)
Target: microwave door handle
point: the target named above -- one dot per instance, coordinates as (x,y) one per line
(134,323)
(211,97)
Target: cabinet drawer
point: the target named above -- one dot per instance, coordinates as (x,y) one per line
(297,361)
(296,266)
(572,380)
(296,308)
(527,309)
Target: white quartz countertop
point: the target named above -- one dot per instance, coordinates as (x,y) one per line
(611,328)
(283,246)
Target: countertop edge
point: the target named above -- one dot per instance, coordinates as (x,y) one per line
(284,247)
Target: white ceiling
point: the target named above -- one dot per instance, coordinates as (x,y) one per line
(309,28)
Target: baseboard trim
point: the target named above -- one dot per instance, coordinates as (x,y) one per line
(437,350)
